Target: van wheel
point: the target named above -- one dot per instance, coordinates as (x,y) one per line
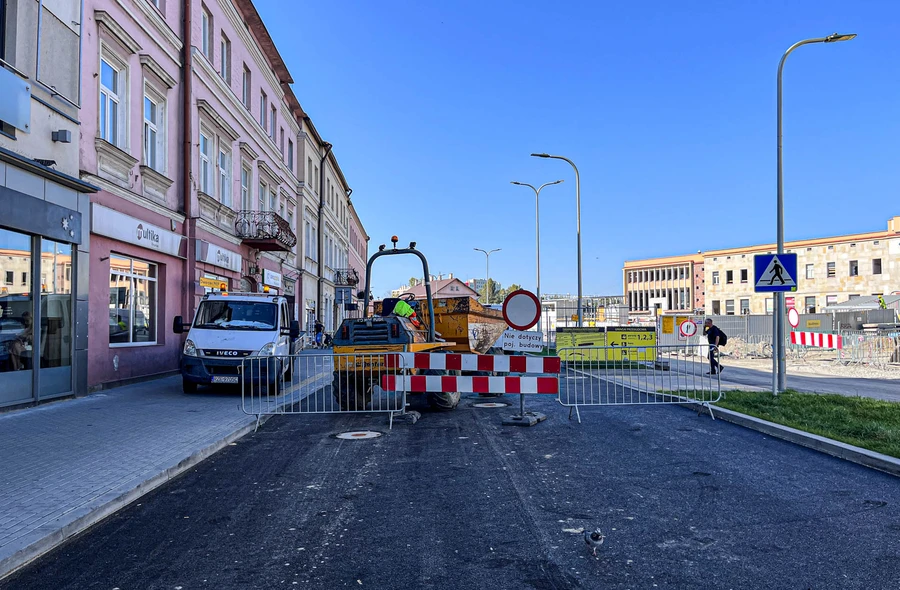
(444,401)
(188,386)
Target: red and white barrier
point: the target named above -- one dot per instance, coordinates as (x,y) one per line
(817,339)
(478,362)
(451,383)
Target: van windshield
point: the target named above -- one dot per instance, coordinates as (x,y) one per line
(236,315)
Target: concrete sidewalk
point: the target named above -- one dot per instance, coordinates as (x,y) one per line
(68,464)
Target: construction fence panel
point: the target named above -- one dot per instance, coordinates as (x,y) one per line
(647,375)
(320,384)
(867,349)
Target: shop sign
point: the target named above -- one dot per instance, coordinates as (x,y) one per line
(271,278)
(217,256)
(125,228)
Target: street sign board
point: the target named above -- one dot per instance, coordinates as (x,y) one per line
(523,341)
(774,273)
(794,317)
(521,309)
(687,328)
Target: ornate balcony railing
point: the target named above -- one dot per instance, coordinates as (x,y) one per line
(264,230)
(346,277)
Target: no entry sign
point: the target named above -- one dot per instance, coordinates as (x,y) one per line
(521,309)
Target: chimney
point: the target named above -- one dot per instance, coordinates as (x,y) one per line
(894,225)
(450,276)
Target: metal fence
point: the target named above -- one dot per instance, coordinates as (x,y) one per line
(870,350)
(616,375)
(321,384)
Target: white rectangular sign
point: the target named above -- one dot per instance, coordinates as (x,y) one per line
(523,341)
(218,256)
(109,222)
(271,278)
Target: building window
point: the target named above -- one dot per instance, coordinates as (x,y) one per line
(113,84)
(715,277)
(307,232)
(9,277)
(830,300)
(290,219)
(743,275)
(225,59)
(154,129)
(729,307)
(132,301)
(811,304)
(309,172)
(317,179)
(224,173)
(281,141)
(854,268)
(246,173)
(24,279)
(810,271)
(245,87)
(831,270)
(729,277)
(206,32)
(716,308)
(273,201)
(291,155)
(745,306)
(205,163)
(769,305)
(263,105)
(281,209)
(876,266)
(272,122)
(263,189)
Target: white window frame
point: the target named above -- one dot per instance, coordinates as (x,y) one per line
(225,166)
(263,190)
(272,123)
(810,271)
(206,32)
(246,184)
(119,97)
(132,277)
(246,86)
(207,185)
(225,58)
(307,232)
(263,109)
(715,277)
(291,155)
(159,99)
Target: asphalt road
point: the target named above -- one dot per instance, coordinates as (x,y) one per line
(885,389)
(457,500)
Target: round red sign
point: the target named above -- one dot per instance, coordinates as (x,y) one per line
(521,309)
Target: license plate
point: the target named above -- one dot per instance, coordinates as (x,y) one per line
(225,379)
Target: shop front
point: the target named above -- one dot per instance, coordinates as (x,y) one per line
(136,284)
(43,283)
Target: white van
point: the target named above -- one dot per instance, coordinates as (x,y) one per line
(228,328)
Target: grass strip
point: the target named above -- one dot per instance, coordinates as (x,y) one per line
(859,421)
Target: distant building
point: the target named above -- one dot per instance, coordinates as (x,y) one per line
(441,289)
(831,269)
(476,285)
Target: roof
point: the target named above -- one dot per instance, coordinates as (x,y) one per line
(439,289)
(867,302)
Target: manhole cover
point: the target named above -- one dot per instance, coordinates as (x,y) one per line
(358,434)
(490,405)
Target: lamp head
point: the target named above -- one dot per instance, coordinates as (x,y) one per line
(835,37)
(381,248)
(541,155)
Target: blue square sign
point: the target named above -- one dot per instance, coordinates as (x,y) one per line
(773,273)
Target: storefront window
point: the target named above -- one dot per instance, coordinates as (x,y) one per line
(132,301)
(56,317)
(16,318)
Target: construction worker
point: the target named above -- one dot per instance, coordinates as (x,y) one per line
(881,302)
(405,310)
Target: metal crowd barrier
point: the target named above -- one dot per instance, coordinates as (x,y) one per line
(321,384)
(871,350)
(636,375)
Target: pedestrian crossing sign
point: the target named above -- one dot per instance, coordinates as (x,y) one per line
(774,273)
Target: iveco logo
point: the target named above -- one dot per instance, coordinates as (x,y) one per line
(226,353)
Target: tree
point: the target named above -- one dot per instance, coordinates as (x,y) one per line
(413,281)
(505,292)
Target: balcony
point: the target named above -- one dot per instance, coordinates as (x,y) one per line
(264,230)
(346,277)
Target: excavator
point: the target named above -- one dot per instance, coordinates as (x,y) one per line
(455,324)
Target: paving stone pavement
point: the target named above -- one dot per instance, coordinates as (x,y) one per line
(67,464)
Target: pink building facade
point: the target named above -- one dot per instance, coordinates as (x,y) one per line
(199,147)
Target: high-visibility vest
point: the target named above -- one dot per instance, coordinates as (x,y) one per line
(403,309)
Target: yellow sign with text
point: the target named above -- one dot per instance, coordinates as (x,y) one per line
(213,283)
(668,325)
(813,323)
(623,343)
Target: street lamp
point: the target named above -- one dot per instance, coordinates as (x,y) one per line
(487,271)
(537,232)
(778,352)
(578,214)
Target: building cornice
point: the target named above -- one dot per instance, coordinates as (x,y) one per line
(132,197)
(207,109)
(162,29)
(153,66)
(107,21)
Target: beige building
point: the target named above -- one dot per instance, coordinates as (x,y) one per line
(831,270)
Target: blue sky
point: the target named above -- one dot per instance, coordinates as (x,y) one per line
(667,108)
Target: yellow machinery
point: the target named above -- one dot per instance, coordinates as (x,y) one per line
(458,324)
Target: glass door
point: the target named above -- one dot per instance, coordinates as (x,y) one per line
(57,274)
(16,318)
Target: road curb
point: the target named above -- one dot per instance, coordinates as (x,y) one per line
(28,554)
(828,446)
